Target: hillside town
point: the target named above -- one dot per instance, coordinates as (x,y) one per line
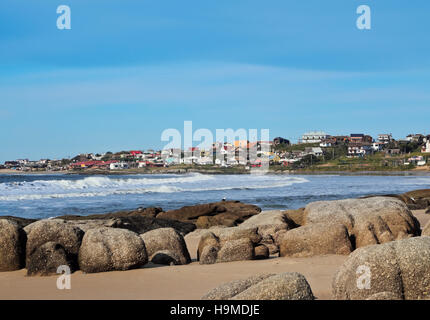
(313,148)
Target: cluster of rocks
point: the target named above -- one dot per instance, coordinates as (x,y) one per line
(42,246)
(341,226)
(325,227)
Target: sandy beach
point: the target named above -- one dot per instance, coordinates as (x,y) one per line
(173,282)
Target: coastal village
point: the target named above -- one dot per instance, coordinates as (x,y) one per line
(315,150)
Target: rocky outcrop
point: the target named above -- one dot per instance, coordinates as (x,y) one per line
(415,200)
(21,222)
(108,249)
(12,245)
(228,244)
(45,259)
(136,223)
(315,239)
(369,221)
(56,231)
(146,212)
(284,286)
(227,213)
(268,223)
(398,267)
(166,245)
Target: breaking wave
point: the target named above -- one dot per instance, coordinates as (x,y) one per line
(105,186)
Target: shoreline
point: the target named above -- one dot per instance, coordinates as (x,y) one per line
(219,172)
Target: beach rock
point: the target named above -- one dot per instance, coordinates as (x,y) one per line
(207,240)
(236,233)
(268,223)
(209,255)
(135,223)
(261,252)
(384,296)
(315,239)
(108,249)
(166,257)
(428,210)
(369,221)
(236,250)
(21,222)
(57,231)
(399,267)
(233,288)
(417,199)
(284,286)
(297,216)
(12,246)
(146,212)
(46,259)
(167,241)
(229,213)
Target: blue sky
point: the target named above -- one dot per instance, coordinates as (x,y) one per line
(130,69)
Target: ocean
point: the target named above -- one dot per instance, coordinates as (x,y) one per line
(44,196)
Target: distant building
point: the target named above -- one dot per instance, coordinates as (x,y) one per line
(360,138)
(359,149)
(417,138)
(426,147)
(385,138)
(313,137)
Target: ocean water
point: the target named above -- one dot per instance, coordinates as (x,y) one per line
(43,196)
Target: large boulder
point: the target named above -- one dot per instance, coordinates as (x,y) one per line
(57,231)
(46,259)
(108,249)
(236,250)
(284,286)
(227,244)
(369,221)
(236,233)
(166,242)
(400,268)
(227,213)
(12,246)
(315,239)
(268,223)
(229,290)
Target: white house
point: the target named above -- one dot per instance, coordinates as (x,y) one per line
(313,137)
(426,147)
(385,138)
(118,166)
